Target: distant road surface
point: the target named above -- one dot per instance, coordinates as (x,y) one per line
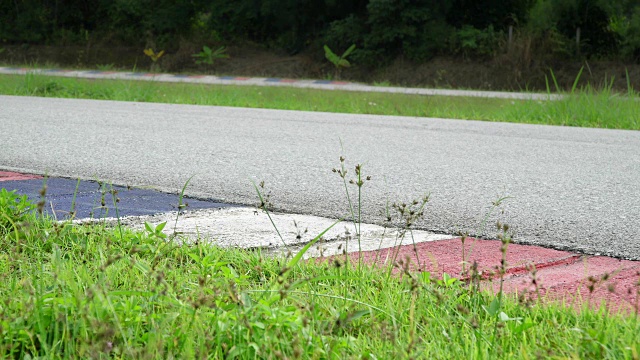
(569,188)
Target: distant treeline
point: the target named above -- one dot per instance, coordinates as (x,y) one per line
(381,29)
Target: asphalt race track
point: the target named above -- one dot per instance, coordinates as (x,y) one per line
(569,188)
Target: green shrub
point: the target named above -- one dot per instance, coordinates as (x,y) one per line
(593,17)
(406,27)
(160,21)
(481,14)
(381,29)
(287,24)
(472,42)
(387,29)
(209,56)
(352,30)
(21,21)
(627,29)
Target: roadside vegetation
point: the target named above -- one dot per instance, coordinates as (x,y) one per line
(94,291)
(584,107)
(98,291)
(528,31)
(512,43)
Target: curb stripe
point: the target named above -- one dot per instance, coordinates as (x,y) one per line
(317,84)
(12,176)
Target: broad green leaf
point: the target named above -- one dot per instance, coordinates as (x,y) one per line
(425,277)
(447,280)
(493,307)
(349,51)
(219,53)
(344,63)
(331,56)
(195,257)
(160,226)
(328,52)
(503,316)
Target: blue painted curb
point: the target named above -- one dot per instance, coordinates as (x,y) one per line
(92,199)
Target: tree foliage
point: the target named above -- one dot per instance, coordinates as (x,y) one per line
(381,29)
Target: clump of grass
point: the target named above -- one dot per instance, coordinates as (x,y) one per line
(14,210)
(587,106)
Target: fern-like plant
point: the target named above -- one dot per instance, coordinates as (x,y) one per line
(209,56)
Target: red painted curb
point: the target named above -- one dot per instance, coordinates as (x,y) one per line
(592,281)
(12,176)
(560,276)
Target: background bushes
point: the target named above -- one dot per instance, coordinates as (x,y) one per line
(382,29)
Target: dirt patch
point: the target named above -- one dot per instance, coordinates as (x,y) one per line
(251,60)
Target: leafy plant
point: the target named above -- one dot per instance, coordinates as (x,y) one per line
(340,62)
(472,42)
(627,28)
(105,67)
(154,57)
(14,209)
(209,56)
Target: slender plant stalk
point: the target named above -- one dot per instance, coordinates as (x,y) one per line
(266,210)
(180,205)
(114,199)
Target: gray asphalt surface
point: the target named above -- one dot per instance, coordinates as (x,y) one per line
(570,188)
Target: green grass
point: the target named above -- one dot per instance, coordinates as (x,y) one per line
(80,291)
(72,291)
(585,107)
